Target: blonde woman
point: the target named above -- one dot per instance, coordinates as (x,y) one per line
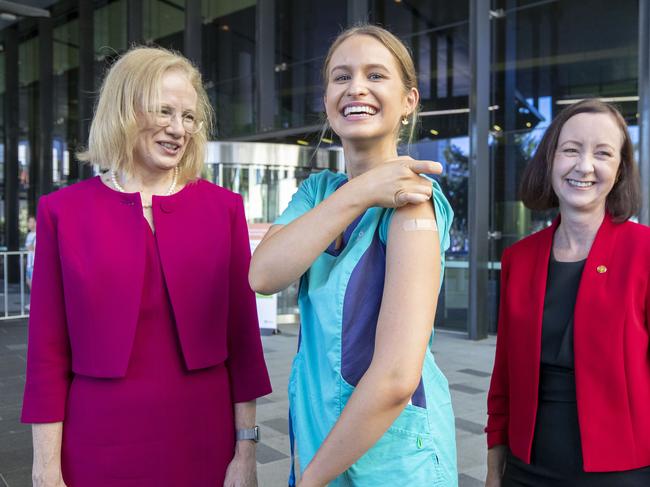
(369,406)
(144,357)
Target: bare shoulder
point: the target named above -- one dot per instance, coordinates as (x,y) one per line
(414,230)
(420,211)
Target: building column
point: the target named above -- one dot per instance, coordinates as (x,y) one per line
(644,108)
(193,28)
(134,22)
(79,170)
(11,120)
(358,11)
(43,173)
(479,168)
(265,64)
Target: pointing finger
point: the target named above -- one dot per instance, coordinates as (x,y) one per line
(415,198)
(426,167)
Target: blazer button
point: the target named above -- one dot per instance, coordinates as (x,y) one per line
(601,269)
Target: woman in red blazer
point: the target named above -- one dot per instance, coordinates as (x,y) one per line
(144,349)
(569,398)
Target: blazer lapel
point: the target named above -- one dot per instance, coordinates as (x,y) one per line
(596,320)
(189,230)
(537,294)
(595,295)
(527,288)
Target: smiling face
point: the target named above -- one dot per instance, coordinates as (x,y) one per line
(586,162)
(365,98)
(162,147)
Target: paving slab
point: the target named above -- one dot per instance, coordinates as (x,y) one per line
(466,364)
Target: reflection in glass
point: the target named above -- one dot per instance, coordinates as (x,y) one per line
(28,112)
(437,34)
(65,129)
(3,236)
(164,22)
(543,61)
(302,39)
(109,31)
(229,64)
(266,190)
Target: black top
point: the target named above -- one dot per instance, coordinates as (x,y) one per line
(559,302)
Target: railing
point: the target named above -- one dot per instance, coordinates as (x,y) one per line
(463,264)
(15,302)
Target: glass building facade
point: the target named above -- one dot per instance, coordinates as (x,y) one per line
(492,74)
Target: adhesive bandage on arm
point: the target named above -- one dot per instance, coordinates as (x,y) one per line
(420,224)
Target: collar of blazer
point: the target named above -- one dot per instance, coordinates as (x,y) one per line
(599,255)
(600,293)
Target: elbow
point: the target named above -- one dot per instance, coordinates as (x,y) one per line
(404,389)
(399,384)
(255,281)
(258,283)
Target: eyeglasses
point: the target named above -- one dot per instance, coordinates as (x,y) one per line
(163,117)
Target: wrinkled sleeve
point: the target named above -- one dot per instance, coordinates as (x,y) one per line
(249,378)
(48,353)
(498,400)
(301,202)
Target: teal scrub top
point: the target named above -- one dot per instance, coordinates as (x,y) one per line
(339,301)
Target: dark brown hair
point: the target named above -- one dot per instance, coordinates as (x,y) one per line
(536,190)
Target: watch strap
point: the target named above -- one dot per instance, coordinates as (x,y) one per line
(249,434)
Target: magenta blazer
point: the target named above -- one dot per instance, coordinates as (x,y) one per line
(88,278)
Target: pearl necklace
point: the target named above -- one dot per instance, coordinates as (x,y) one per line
(171,189)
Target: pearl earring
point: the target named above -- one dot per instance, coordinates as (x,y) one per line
(405,121)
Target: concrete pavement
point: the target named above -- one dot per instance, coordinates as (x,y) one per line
(466,364)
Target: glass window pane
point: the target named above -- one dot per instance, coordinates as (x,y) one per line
(3,236)
(65,129)
(228,66)
(543,60)
(110,34)
(302,40)
(437,33)
(164,23)
(28,124)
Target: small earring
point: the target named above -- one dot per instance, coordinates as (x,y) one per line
(405,121)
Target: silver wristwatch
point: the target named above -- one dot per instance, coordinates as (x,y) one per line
(249,434)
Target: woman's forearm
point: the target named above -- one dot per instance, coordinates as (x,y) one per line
(496,461)
(245,419)
(47,439)
(375,404)
(286,254)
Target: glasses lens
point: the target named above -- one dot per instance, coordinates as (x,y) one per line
(162,118)
(191,125)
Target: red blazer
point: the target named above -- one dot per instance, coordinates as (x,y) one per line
(88,278)
(612,356)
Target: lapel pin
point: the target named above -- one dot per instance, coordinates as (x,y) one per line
(601,269)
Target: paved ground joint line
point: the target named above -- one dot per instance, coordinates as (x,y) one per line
(455,355)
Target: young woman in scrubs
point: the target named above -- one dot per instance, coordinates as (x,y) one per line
(368,404)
